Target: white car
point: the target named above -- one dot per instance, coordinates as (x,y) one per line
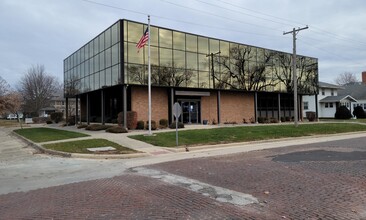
(14,116)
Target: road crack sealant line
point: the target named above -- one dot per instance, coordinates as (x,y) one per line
(218,193)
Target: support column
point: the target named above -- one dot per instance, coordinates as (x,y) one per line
(102,106)
(279,107)
(300,108)
(256,107)
(218,106)
(87,109)
(316,107)
(76,109)
(172,103)
(67,110)
(125,106)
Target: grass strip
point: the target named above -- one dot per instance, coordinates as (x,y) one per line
(82,145)
(246,133)
(47,134)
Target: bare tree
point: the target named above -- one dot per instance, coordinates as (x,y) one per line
(37,88)
(4,90)
(71,88)
(346,78)
(240,71)
(307,78)
(14,104)
(10,101)
(162,76)
(4,86)
(171,76)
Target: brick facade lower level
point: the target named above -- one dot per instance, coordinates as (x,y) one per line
(237,107)
(159,103)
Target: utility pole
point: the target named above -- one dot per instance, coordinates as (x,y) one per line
(294,32)
(213,83)
(212,67)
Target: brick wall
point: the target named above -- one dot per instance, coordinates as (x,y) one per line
(236,106)
(159,103)
(209,107)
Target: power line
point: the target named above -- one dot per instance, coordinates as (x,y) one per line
(176,20)
(329,52)
(240,12)
(337,36)
(215,15)
(261,13)
(114,7)
(318,30)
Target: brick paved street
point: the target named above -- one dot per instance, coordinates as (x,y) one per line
(317,181)
(311,188)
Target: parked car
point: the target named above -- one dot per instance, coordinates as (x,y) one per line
(14,116)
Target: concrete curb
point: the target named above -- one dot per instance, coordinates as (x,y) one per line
(215,146)
(41,149)
(109,156)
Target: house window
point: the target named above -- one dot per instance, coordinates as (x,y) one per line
(326,104)
(332,92)
(306,105)
(323,92)
(331,105)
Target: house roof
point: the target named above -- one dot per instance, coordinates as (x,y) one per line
(48,109)
(329,86)
(356,90)
(338,98)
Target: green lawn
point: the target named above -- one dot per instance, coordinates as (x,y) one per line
(47,134)
(246,133)
(82,145)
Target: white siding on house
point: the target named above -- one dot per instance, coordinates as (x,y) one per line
(327,110)
(310,99)
(323,111)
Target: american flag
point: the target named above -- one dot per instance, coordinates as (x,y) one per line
(143,40)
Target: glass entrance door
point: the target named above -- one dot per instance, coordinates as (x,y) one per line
(190,111)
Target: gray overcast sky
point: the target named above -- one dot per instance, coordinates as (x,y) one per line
(47,31)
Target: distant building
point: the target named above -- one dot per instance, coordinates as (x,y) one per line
(331,96)
(213,80)
(58,104)
(324,103)
(357,91)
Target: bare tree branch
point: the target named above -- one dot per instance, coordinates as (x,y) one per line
(346,78)
(37,88)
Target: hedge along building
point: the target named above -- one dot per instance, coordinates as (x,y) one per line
(213,80)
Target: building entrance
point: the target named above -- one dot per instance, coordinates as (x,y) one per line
(191,113)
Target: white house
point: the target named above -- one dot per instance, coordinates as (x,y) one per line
(358,92)
(327,101)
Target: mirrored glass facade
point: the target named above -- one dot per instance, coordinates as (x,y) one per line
(183,60)
(95,65)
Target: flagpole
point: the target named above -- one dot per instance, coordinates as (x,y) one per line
(149,76)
